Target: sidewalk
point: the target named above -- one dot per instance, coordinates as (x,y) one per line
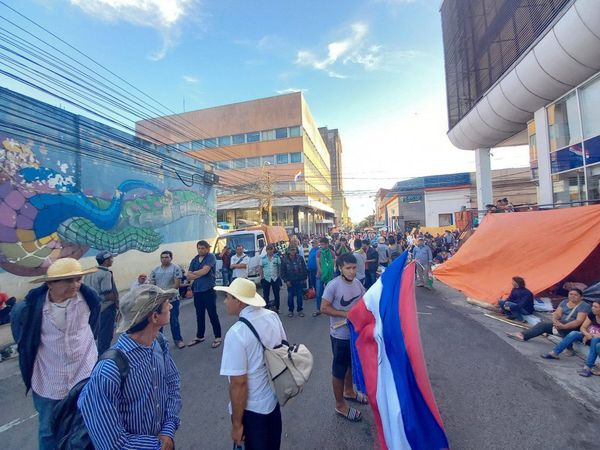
(563,371)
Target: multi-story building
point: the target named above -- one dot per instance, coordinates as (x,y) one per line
(334,146)
(527,73)
(270,158)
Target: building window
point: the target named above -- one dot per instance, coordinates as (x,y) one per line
(267,135)
(253,162)
(590,108)
(223,165)
(197,145)
(224,141)
(210,143)
(295,132)
(593,182)
(283,158)
(296,157)
(238,139)
(239,163)
(568,187)
(566,158)
(563,119)
(253,137)
(444,220)
(270,159)
(281,133)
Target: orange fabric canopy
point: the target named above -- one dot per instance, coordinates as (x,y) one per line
(543,247)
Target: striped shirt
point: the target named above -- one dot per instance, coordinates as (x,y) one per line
(67,351)
(148,405)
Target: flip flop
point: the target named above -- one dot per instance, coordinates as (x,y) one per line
(353,414)
(195,341)
(515,336)
(216,343)
(359,398)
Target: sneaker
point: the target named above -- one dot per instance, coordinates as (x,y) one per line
(290,314)
(596,370)
(301,314)
(585,372)
(316,313)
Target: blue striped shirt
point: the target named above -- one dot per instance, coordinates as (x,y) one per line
(148,404)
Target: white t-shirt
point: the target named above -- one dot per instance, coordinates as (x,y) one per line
(243,355)
(240,273)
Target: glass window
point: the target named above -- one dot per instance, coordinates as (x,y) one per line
(567,158)
(224,141)
(210,143)
(532,148)
(593,182)
(253,162)
(589,96)
(239,163)
(197,145)
(283,158)
(592,151)
(295,132)
(267,135)
(563,119)
(253,137)
(444,220)
(281,133)
(238,139)
(183,146)
(270,159)
(223,165)
(568,186)
(296,157)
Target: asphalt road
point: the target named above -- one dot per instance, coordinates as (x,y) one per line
(490,396)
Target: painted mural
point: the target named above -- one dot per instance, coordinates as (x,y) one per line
(44,216)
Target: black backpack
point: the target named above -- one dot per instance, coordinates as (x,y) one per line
(67,423)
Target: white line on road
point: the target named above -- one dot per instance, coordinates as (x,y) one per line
(419,312)
(14,423)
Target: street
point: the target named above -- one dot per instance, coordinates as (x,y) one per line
(489,395)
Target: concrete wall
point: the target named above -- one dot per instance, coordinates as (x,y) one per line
(70,186)
(444,202)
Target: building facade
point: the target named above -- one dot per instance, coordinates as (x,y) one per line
(270,158)
(71,186)
(526,73)
(334,146)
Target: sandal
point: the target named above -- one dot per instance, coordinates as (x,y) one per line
(516,336)
(359,398)
(179,344)
(195,341)
(353,414)
(316,313)
(300,314)
(216,342)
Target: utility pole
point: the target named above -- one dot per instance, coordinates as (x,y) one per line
(265,193)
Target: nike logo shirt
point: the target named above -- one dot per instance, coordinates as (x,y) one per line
(343,296)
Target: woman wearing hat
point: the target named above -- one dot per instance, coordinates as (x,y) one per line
(54,329)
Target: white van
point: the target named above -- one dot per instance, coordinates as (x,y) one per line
(254,240)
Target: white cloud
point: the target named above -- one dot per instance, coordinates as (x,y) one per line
(352,49)
(190,79)
(290,90)
(162,15)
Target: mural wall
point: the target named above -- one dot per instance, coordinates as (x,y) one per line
(70,186)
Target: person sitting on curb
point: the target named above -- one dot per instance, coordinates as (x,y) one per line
(569,316)
(519,303)
(589,333)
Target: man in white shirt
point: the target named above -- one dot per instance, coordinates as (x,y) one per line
(239,263)
(255,413)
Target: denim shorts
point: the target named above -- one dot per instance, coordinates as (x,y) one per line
(342,360)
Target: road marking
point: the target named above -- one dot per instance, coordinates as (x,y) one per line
(430,307)
(15,422)
(419,312)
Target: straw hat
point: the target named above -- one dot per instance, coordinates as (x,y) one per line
(64,268)
(244,290)
(138,303)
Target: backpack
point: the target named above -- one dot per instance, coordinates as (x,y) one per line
(289,367)
(67,423)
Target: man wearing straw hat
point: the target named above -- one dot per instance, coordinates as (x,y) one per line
(54,329)
(143,412)
(255,414)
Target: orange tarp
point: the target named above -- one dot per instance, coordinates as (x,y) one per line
(273,233)
(543,247)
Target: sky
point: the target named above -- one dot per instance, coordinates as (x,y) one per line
(373,69)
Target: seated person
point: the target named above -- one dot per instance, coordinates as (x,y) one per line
(589,333)
(569,316)
(519,303)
